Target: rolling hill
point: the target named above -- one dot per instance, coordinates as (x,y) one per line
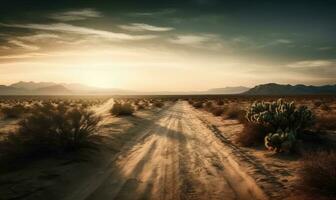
(278,89)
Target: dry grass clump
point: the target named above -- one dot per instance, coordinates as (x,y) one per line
(198,104)
(140,107)
(158,104)
(325,107)
(319,172)
(326,122)
(13,112)
(252,135)
(122,109)
(208,106)
(235,112)
(317,103)
(49,130)
(217,111)
(220,102)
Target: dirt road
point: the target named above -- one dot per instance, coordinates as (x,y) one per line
(176,157)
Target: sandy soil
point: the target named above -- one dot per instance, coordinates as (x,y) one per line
(277,174)
(162,154)
(177,157)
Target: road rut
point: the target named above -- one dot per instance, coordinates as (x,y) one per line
(177,157)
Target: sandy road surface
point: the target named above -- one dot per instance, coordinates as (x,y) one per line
(176,157)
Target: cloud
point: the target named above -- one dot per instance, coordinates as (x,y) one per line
(211,41)
(282,41)
(22,56)
(68,28)
(145,27)
(325,48)
(5,47)
(76,15)
(153,14)
(312,64)
(38,37)
(23,45)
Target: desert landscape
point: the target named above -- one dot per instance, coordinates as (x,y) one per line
(167,100)
(163,147)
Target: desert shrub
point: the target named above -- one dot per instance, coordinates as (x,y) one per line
(140,107)
(217,111)
(325,107)
(220,102)
(122,109)
(319,172)
(326,122)
(252,134)
(198,104)
(50,130)
(12,112)
(234,112)
(158,104)
(284,117)
(208,106)
(318,103)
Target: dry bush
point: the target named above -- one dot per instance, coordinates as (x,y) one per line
(50,130)
(252,135)
(319,172)
(318,103)
(13,112)
(235,112)
(140,107)
(208,106)
(198,104)
(122,109)
(217,111)
(325,107)
(220,102)
(326,122)
(158,104)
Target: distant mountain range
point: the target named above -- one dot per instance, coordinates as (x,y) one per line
(227,90)
(50,88)
(278,89)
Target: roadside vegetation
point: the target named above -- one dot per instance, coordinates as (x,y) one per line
(50,130)
(122,109)
(318,172)
(13,111)
(285,120)
(298,128)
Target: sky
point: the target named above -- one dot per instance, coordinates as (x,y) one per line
(168,45)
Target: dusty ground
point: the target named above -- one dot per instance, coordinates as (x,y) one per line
(167,154)
(277,174)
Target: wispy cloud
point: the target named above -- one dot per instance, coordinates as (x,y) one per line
(275,42)
(75,15)
(312,64)
(211,41)
(5,47)
(68,28)
(23,45)
(145,27)
(23,56)
(154,14)
(326,48)
(282,41)
(39,37)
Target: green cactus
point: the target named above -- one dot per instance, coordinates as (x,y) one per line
(282,116)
